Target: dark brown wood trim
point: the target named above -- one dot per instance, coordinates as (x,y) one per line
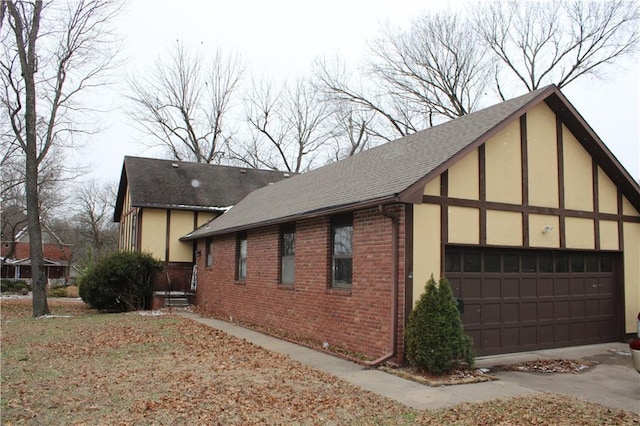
(620,222)
(560,155)
(167,237)
(524,156)
(444,216)
(139,230)
(596,202)
(482,169)
(493,205)
(408,261)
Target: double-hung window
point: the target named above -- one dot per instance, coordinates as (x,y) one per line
(287,254)
(242,256)
(208,252)
(342,251)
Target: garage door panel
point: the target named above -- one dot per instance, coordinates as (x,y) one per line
(545,311)
(562,333)
(491,288)
(545,287)
(561,287)
(472,313)
(562,310)
(510,313)
(606,286)
(528,311)
(591,286)
(528,287)
(491,313)
(538,299)
(592,308)
(510,288)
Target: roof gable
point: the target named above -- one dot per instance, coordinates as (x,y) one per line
(188,186)
(399,170)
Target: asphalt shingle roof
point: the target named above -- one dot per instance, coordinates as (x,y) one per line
(379,174)
(185,185)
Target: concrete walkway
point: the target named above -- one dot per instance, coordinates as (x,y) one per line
(613,383)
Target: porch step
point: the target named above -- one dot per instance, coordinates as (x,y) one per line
(176,302)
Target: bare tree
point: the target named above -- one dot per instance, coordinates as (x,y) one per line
(539,43)
(288,125)
(341,86)
(94,204)
(51,53)
(351,130)
(185,101)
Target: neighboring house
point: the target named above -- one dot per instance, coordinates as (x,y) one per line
(16,259)
(159,201)
(521,206)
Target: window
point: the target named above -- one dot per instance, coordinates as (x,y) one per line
(242,256)
(208,252)
(287,254)
(342,252)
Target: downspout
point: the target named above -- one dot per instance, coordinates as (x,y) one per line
(395,223)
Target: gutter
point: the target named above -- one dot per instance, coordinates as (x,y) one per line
(395,223)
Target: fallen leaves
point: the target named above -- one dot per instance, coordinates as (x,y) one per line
(550,366)
(127,369)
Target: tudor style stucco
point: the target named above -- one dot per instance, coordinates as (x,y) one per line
(505,226)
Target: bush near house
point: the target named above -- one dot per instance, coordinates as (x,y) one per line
(121,282)
(435,338)
(13,286)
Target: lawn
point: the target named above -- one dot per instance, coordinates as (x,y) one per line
(81,367)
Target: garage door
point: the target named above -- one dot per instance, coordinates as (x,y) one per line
(516,301)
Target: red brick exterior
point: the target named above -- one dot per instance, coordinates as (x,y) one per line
(358,320)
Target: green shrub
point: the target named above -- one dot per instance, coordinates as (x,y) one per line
(60,291)
(120,282)
(435,338)
(13,286)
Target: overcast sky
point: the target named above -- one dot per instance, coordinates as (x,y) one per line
(281,38)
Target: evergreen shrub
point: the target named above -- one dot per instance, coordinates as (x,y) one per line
(435,339)
(121,282)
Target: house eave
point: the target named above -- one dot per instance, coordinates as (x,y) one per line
(394,198)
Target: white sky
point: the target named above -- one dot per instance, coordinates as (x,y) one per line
(282,37)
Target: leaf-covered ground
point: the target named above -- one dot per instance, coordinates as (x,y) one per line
(80,367)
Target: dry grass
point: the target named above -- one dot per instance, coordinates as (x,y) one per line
(80,367)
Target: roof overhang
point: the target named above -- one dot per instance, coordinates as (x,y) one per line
(195,235)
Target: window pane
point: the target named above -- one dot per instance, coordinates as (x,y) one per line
(452,262)
(562,263)
(242,258)
(342,270)
(577,263)
(243,248)
(511,262)
(528,263)
(491,262)
(342,237)
(242,268)
(288,269)
(606,264)
(545,263)
(591,263)
(471,262)
(288,243)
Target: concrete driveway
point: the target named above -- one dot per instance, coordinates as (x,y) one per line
(613,382)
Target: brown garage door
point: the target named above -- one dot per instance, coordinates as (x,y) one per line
(516,301)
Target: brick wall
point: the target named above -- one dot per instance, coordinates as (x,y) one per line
(358,320)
